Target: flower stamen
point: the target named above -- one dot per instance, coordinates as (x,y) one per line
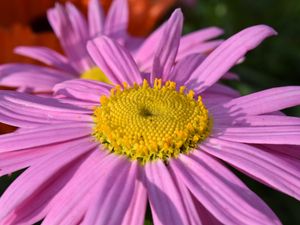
(148,123)
(95,74)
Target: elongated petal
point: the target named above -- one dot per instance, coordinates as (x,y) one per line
(188,202)
(184,67)
(260,135)
(227,55)
(70,37)
(165,201)
(222,90)
(211,99)
(263,102)
(16,160)
(114,60)
(114,195)
(86,90)
(72,202)
(135,214)
(89,105)
(43,136)
(203,49)
(44,174)
(78,22)
(145,53)
(37,110)
(261,120)
(37,78)
(39,103)
(195,38)
(95,18)
(166,52)
(289,150)
(272,169)
(231,76)
(116,22)
(47,56)
(206,217)
(222,193)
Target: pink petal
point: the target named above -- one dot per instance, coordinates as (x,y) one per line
(263,102)
(165,200)
(220,191)
(70,36)
(231,76)
(196,38)
(166,51)
(90,105)
(86,90)
(184,67)
(116,22)
(95,18)
(37,110)
(39,103)
(227,55)
(289,150)
(222,90)
(187,199)
(261,120)
(38,181)
(202,49)
(16,160)
(145,53)
(133,43)
(37,78)
(206,217)
(269,168)
(114,60)
(47,56)
(45,135)
(78,22)
(212,99)
(71,203)
(115,191)
(260,135)
(135,214)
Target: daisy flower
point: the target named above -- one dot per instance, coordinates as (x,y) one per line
(98,153)
(17,30)
(74,31)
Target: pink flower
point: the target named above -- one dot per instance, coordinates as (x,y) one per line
(86,165)
(74,31)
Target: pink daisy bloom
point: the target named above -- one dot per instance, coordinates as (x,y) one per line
(74,31)
(97,154)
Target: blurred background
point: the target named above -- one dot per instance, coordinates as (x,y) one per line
(276,62)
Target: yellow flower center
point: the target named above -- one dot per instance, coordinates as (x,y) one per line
(95,74)
(149,123)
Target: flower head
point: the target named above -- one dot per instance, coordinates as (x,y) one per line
(87,160)
(165,133)
(74,31)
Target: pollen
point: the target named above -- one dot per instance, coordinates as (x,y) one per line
(148,123)
(95,74)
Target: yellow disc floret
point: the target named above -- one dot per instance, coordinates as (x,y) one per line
(95,74)
(148,123)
